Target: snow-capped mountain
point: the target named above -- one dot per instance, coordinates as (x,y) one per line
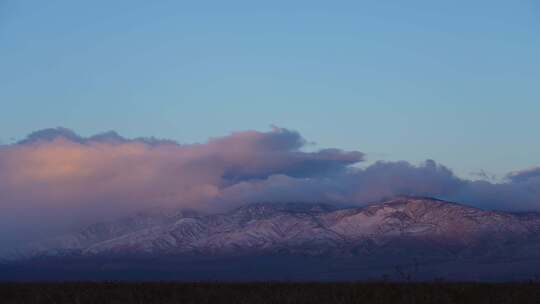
(402,226)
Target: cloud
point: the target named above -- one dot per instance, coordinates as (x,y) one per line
(524,175)
(55,179)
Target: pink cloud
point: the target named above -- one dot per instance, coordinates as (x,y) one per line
(86,179)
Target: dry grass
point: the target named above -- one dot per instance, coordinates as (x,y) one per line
(373,293)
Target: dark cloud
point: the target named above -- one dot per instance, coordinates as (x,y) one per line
(524,175)
(56,179)
(111,137)
(51,134)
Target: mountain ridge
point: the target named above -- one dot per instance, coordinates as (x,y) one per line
(399,238)
(299,228)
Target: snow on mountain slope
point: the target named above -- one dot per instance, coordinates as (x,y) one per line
(403,225)
(99,232)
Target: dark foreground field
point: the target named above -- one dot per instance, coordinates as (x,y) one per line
(269,293)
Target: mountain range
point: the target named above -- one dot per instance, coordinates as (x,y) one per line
(403,238)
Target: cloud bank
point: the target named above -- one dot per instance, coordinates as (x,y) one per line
(55,179)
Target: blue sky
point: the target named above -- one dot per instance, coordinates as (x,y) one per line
(455,81)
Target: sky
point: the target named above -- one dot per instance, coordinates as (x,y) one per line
(454,81)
